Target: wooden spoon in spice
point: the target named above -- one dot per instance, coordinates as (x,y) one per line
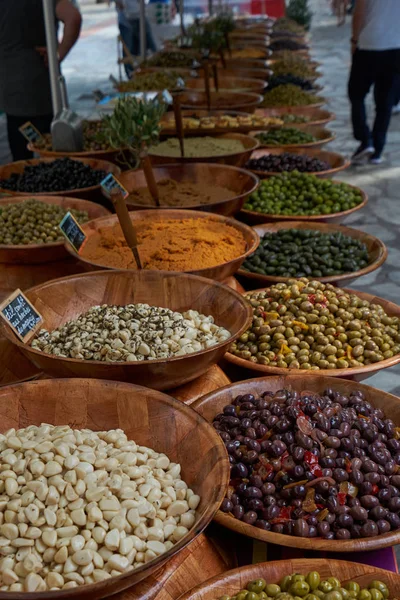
(126,224)
(179,121)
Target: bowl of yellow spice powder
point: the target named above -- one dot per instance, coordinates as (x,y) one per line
(186,241)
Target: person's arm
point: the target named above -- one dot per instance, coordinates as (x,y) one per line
(71,17)
(358,22)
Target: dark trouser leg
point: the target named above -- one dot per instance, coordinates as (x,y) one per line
(17,142)
(362,76)
(135,41)
(126,35)
(385,96)
(150,43)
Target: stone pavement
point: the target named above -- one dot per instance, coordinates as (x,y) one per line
(94,58)
(381,216)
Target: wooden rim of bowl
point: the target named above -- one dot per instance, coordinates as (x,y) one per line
(104,165)
(322,136)
(267,280)
(287,380)
(98,589)
(321,115)
(239,577)
(342,214)
(255,85)
(164,213)
(235,136)
(324,155)
(390,308)
(239,297)
(82,154)
(59,200)
(211,167)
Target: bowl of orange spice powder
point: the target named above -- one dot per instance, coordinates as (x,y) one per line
(188,241)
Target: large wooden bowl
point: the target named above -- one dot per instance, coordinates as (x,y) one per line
(255,218)
(232,582)
(143,414)
(230,83)
(236,159)
(377,252)
(211,404)
(255,73)
(239,101)
(90,193)
(64,299)
(337,162)
(14,366)
(169,129)
(354,373)
(247,63)
(240,182)
(42,253)
(218,273)
(109,155)
(318,116)
(322,137)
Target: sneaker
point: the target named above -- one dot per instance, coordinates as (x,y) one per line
(361,155)
(376,159)
(396,109)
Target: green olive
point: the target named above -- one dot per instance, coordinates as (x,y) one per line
(272,589)
(333,595)
(379,585)
(352,586)
(325,586)
(375,594)
(364,595)
(257,585)
(252,596)
(285,583)
(313,579)
(299,588)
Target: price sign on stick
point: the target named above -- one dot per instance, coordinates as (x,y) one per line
(111,185)
(73,232)
(30,132)
(21,315)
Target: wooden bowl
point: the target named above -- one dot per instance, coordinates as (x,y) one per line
(322,137)
(240,182)
(356,373)
(247,63)
(211,404)
(218,273)
(255,218)
(89,193)
(42,253)
(169,129)
(240,84)
(109,155)
(14,366)
(231,582)
(336,162)
(239,101)
(318,117)
(377,252)
(236,159)
(64,299)
(256,73)
(142,413)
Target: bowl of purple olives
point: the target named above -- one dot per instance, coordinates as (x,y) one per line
(315,462)
(269,162)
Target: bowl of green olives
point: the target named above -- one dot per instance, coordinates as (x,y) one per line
(29,227)
(310,578)
(294,138)
(302,197)
(330,253)
(293,330)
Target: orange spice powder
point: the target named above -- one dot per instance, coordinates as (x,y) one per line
(169,245)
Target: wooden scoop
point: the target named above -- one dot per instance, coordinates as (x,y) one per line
(179,122)
(147,167)
(207,83)
(126,225)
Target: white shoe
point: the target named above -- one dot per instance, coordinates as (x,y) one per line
(396,109)
(376,160)
(362,154)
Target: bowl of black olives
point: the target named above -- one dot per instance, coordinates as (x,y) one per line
(269,162)
(315,462)
(330,253)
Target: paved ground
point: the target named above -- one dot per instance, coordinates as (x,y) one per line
(94,58)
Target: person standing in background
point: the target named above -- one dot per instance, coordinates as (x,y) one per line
(25,93)
(375,47)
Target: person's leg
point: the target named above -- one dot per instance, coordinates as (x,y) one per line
(150,43)
(362,76)
(385,97)
(135,38)
(126,35)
